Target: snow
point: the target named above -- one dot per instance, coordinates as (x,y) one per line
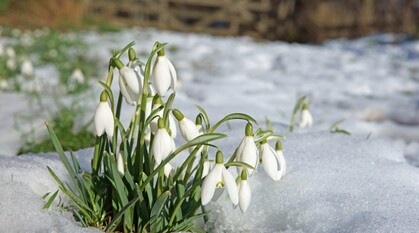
(366,182)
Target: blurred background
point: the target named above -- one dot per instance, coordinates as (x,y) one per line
(289,20)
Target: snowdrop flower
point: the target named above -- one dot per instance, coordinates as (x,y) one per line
(4,85)
(10,52)
(120,162)
(164,74)
(247,151)
(77,76)
(129,83)
(163,144)
(198,123)
(273,161)
(244,192)
(104,121)
(187,128)
(219,177)
(26,69)
(11,64)
(306,120)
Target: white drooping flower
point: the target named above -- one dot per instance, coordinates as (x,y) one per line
(77,76)
(163,144)
(187,128)
(4,85)
(219,177)
(104,120)
(273,162)
(120,162)
(11,64)
(164,74)
(306,120)
(10,52)
(206,168)
(247,151)
(245,194)
(129,83)
(27,68)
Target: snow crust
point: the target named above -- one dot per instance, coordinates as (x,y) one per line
(334,183)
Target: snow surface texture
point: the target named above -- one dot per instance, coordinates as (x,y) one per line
(334,183)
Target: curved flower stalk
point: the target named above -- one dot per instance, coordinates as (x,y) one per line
(153,123)
(306,120)
(273,161)
(27,68)
(104,121)
(219,177)
(164,74)
(245,194)
(129,83)
(247,151)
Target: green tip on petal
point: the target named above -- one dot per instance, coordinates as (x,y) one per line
(179,116)
(219,158)
(161,52)
(249,129)
(118,63)
(278,145)
(131,54)
(160,123)
(103,96)
(244,174)
(198,120)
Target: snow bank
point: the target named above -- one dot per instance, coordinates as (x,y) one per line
(334,183)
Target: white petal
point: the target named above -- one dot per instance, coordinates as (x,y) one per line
(172,74)
(244,195)
(162,145)
(120,163)
(130,79)
(210,182)
(306,120)
(167,169)
(205,169)
(172,124)
(231,186)
(250,155)
(269,162)
(188,129)
(124,91)
(104,120)
(281,160)
(161,75)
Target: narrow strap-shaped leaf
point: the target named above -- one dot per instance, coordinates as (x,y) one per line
(50,200)
(233,116)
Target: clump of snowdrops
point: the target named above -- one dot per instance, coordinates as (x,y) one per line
(133,185)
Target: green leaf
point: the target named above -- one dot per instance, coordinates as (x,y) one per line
(239,164)
(233,116)
(184,225)
(158,206)
(50,200)
(45,195)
